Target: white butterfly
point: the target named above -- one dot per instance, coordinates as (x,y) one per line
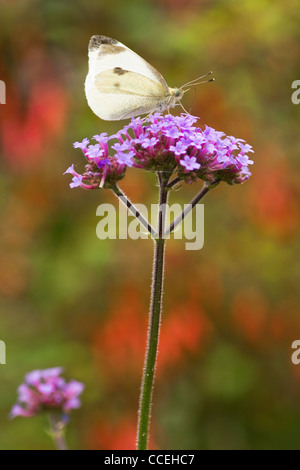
(121,85)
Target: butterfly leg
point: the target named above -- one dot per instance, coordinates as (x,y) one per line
(146,118)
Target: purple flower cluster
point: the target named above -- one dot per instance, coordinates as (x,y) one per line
(101,170)
(167,143)
(46,390)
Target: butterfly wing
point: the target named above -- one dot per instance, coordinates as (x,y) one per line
(120,84)
(123,94)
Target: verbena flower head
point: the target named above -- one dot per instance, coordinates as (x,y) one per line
(45,390)
(165,143)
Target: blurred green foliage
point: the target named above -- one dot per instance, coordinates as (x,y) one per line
(231,311)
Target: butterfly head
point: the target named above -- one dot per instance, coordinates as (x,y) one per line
(175,95)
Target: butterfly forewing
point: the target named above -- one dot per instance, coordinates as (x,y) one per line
(120,84)
(108,56)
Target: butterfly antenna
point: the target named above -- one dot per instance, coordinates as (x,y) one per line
(204,81)
(196,80)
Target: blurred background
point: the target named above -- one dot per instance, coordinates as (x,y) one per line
(225,379)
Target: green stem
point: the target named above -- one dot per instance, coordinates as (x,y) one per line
(57,431)
(154,325)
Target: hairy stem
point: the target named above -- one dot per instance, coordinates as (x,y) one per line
(144,414)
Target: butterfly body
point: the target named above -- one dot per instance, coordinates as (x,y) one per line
(120,84)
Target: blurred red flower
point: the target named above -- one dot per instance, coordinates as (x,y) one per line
(249,315)
(119,344)
(27,131)
(120,435)
(274,204)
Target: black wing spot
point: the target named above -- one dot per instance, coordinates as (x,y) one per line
(117,85)
(96,41)
(119,71)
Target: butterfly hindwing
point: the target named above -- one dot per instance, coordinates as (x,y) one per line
(123,81)
(111,99)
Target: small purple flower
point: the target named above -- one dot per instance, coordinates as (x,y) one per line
(210,147)
(126,145)
(141,139)
(197,139)
(173,132)
(246,148)
(190,163)
(45,390)
(76,181)
(94,151)
(70,170)
(71,392)
(81,145)
(125,158)
(149,142)
(101,137)
(244,160)
(34,377)
(179,148)
(18,410)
